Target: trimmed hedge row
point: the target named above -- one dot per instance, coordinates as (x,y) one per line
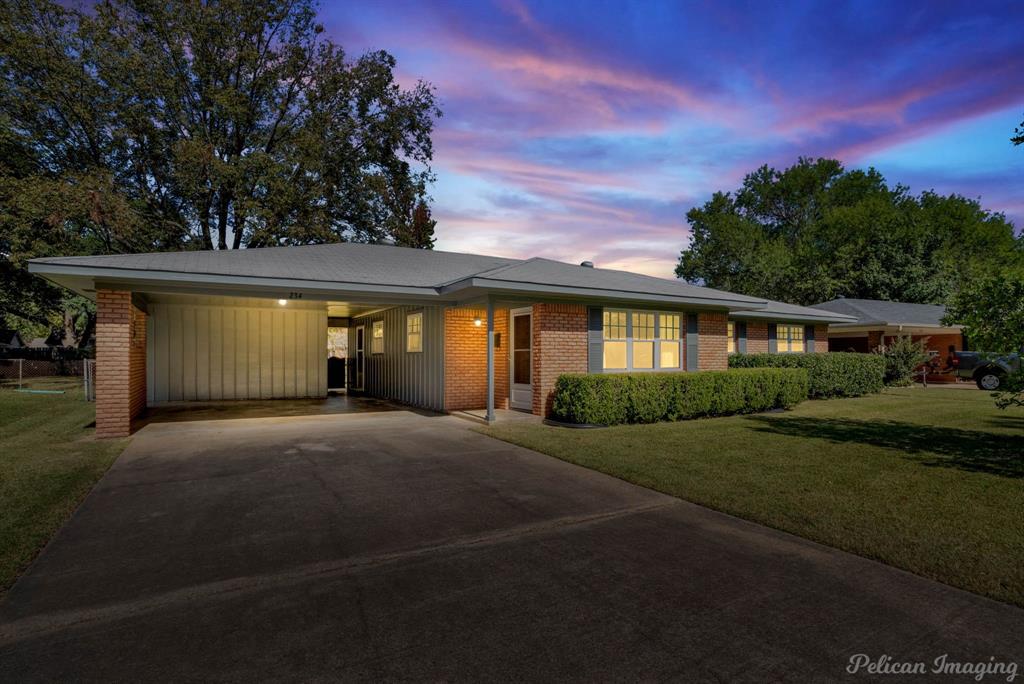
(831,374)
(611,399)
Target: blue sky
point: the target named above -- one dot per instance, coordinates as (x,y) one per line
(585,130)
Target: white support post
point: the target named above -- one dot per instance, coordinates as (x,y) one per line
(490,360)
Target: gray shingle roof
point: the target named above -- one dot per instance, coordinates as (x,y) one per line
(345,262)
(880,312)
(542,271)
(386,265)
(782,312)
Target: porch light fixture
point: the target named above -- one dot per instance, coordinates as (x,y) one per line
(477,322)
(282,302)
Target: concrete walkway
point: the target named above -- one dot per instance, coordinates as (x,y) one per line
(404,546)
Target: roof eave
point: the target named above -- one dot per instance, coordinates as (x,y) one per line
(504,287)
(141,280)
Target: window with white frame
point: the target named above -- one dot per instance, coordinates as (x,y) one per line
(669,341)
(414,332)
(730,328)
(789,338)
(615,340)
(377,338)
(642,340)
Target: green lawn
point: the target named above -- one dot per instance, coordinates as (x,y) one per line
(49,460)
(929,480)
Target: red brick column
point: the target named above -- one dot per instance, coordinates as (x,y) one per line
(757,337)
(120,363)
(821,338)
(874,339)
(713,343)
(465,359)
(559,346)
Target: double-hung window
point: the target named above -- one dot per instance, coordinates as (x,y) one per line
(615,340)
(668,341)
(790,338)
(414,332)
(730,328)
(377,338)
(642,340)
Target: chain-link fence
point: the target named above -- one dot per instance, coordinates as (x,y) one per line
(49,374)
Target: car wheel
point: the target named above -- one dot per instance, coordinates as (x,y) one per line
(989,380)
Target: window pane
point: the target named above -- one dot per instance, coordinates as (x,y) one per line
(413,332)
(668,327)
(730,333)
(614,325)
(615,355)
(796,346)
(782,337)
(731,345)
(643,354)
(669,355)
(643,326)
(414,342)
(377,342)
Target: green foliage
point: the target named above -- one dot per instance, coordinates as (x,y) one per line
(815,231)
(128,127)
(612,399)
(991,311)
(830,374)
(902,357)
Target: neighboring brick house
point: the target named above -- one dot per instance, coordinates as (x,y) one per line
(252,324)
(876,322)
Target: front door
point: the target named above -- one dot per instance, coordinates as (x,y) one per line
(521,361)
(357,382)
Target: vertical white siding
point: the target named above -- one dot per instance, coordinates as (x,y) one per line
(214,348)
(415,378)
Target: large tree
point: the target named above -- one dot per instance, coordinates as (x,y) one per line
(1018,138)
(815,231)
(141,125)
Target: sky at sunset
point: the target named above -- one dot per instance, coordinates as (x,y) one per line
(585,130)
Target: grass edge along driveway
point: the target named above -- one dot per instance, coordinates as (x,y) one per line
(927,480)
(49,460)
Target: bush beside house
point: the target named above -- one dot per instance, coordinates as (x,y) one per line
(830,374)
(612,399)
(902,357)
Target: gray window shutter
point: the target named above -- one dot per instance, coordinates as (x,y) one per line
(595,339)
(741,337)
(809,338)
(773,338)
(691,342)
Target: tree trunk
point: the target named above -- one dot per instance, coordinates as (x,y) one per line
(222,219)
(204,220)
(90,326)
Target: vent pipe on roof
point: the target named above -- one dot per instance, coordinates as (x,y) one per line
(587,264)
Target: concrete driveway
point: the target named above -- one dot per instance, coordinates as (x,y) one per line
(404,546)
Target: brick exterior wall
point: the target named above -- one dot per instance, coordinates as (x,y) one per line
(120,363)
(713,342)
(559,346)
(821,338)
(757,337)
(465,359)
(874,339)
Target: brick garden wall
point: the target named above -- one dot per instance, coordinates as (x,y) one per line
(465,359)
(120,363)
(559,346)
(713,343)
(821,338)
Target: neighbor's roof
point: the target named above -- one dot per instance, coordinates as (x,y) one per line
(780,311)
(356,269)
(881,312)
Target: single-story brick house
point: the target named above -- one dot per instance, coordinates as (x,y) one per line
(878,322)
(252,324)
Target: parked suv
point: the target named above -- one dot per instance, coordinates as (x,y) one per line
(986,369)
